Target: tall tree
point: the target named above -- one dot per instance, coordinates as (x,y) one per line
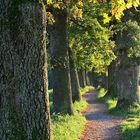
(24,108)
(75,85)
(62,95)
(128,45)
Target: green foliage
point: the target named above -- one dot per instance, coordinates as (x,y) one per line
(69,127)
(80,106)
(86,89)
(101,93)
(90,39)
(133,42)
(130,128)
(118,6)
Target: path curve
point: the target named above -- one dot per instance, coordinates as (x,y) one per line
(100,125)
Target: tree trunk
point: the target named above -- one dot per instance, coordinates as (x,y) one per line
(127,42)
(128,69)
(127,81)
(76,96)
(87,78)
(62,95)
(90,74)
(24,109)
(104,82)
(112,77)
(82,80)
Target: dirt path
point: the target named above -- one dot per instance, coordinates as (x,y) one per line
(101,125)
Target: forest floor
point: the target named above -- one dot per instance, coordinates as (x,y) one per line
(101,125)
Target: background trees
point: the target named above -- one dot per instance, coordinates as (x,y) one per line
(90,42)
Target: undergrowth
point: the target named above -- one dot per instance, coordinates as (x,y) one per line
(86,89)
(130,128)
(66,127)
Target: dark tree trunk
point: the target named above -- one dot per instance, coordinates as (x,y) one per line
(62,95)
(90,75)
(96,79)
(127,81)
(82,80)
(76,96)
(24,109)
(87,78)
(112,77)
(104,81)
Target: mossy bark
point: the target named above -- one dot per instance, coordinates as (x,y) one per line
(24,105)
(62,94)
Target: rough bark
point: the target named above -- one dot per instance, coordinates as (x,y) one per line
(76,96)
(127,81)
(82,80)
(24,109)
(62,95)
(128,69)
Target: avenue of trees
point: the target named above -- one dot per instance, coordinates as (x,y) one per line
(93,42)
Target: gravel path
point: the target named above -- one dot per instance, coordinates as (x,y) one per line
(100,125)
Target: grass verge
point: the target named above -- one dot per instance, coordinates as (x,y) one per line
(66,127)
(130,128)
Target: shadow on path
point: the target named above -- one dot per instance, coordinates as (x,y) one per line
(100,125)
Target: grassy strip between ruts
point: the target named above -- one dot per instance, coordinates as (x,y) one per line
(130,128)
(66,127)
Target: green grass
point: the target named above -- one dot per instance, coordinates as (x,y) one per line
(86,89)
(130,128)
(66,127)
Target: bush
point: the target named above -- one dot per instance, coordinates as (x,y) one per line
(86,89)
